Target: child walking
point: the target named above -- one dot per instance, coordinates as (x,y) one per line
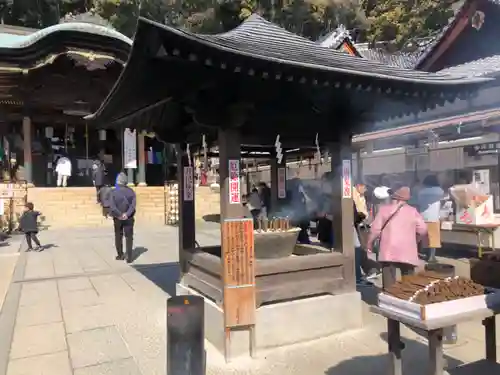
(28,224)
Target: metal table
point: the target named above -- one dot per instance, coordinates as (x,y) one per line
(434,329)
(489,229)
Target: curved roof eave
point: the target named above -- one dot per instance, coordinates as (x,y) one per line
(78,27)
(261,40)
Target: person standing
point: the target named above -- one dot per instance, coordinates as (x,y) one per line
(358,196)
(429,205)
(122,204)
(397,225)
(98,176)
(29,226)
(254,204)
(265,197)
(63,171)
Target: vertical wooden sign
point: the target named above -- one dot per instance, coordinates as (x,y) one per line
(239,278)
(239,272)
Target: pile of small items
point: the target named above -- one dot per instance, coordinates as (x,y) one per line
(429,287)
(274,225)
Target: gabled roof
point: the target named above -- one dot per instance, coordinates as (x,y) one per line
(335,38)
(439,38)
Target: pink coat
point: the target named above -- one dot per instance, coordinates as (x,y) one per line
(398,241)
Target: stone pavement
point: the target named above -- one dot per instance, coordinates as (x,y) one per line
(74,309)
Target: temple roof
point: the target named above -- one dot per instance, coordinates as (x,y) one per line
(23,41)
(27,51)
(260,53)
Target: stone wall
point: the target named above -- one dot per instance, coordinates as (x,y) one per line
(77,207)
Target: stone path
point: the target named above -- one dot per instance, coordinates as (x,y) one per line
(73,309)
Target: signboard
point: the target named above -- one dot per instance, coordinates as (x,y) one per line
(281,183)
(129,149)
(7,191)
(491,148)
(188,184)
(234,182)
(238,272)
(346,179)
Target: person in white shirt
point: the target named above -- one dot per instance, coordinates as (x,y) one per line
(63,171)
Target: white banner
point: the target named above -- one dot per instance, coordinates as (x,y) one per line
(281,183)
(234,182)
(188,184)
(129,149)
(346,179)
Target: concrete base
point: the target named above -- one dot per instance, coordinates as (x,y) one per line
(284,323)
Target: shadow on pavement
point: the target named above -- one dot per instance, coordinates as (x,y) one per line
(163,275)
(379,364)
(137,252)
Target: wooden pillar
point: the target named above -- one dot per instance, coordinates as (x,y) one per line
(278,182)
(141,176)
(343,210)
(229,152)
(187,228)
(28,163)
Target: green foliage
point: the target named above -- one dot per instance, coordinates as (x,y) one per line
(404,20)
(382,20)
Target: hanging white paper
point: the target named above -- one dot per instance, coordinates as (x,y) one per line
(129,149)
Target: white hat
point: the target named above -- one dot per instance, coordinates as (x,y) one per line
(381,192)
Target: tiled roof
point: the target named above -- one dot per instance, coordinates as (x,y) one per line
(256,44)
(23,41)
(486,67)
(259,39)
(398,59)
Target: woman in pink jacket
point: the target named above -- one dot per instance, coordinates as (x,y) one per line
(399,227)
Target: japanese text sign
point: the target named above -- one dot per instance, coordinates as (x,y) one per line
(234,182)
(281,183)
(346,179)
(188,184)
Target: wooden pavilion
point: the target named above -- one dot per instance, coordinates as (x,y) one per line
(246,87)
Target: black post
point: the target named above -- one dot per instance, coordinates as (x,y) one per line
(185,336)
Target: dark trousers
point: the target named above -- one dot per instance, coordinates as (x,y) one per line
(31,236)
(389,272)
(124,228)
(98,195)
(362,263)
(255,216)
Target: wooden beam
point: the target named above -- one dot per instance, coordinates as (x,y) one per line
(450,36)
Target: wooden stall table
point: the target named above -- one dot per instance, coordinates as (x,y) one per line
(434,329)
(488,229)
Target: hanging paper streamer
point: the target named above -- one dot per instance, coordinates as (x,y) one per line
(279,151)
(318,150)
(205,151)
(188,153)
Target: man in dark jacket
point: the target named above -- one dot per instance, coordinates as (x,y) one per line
(122,209)
(98,176)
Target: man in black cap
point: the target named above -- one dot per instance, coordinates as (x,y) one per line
(122,209)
